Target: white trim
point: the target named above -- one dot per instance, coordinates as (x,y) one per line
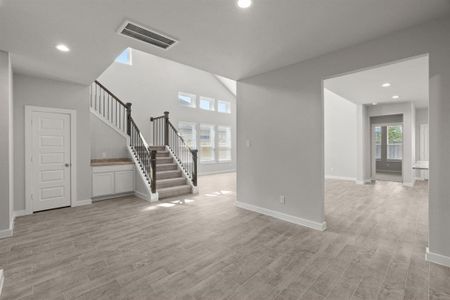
(2,280)
(217,172)
(141,196)
(340,177)
(437,258)
(5,233)
(81,202)
(409,184)
(29,109)
(108,123)
(153,196)
(365,181)
(282,216)
(19,213)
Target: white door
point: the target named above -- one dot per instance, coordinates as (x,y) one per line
(50,160)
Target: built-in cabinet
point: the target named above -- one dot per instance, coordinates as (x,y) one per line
(112,180)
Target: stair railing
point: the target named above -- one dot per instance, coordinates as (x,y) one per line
(166,134)
(118,114)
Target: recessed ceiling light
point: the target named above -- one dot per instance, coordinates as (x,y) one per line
(244,3)
(374,103)
(386,84)
(395,97)
(62,48)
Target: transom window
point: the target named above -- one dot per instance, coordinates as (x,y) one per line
(207,103)
(186,99)
(224,106)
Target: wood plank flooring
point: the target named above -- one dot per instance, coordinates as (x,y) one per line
(206,248)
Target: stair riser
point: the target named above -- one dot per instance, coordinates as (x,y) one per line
(168,175)
(172,183)
(167,160)
(162,154)
(166,168)
(177,192)
(157,148)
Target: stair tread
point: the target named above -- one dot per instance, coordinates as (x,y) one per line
(168,171)
(170,179)
(173,188)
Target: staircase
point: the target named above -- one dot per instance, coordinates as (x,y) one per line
(168,167)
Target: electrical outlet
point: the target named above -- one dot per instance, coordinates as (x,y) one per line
(282,199)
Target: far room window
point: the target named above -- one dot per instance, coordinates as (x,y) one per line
(189,133)
(207,103)
(186,99)
(206,143)
(224,143)
(224,107)
(378,142)
(124,57)
(394,142)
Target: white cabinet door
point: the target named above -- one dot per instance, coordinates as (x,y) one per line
(124,181)
(102,184)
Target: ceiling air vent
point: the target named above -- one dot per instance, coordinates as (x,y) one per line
(135,31)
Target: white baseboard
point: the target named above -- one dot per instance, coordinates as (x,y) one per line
(339,177)
(82,202)
(282,216)
(409,184)
(20,213)
(365,181)
(2,280)
(437,258)
(216,172)
(142,196)
(6,233)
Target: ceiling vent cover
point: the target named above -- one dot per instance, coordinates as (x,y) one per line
(148,36)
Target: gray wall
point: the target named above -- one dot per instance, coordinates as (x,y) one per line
(281,113)
(50,93)
(105,141)
(339,136)
(6,143)
(152,84)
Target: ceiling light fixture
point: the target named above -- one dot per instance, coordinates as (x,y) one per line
(374,103)
(244,3)
(62,48)
(395,97)
(386,84)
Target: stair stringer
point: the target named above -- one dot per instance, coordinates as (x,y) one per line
(149,196)
(194,189)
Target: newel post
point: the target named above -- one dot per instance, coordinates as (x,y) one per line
(166,128)
(153,170)
(194,160)
(128,105)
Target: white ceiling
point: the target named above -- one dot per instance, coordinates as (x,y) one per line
(213,35)
(409,79)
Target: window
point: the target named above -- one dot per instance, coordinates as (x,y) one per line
(224,107)
(124,57)
(224,143)
(207,103)
(377,142)
(188,132)
(188,100)
(206,143)
(394,142)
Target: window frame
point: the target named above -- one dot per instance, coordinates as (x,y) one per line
(190,95)
(212,132)
(387,141)
(212,103)
(228,104)
(229,147)
(193,126)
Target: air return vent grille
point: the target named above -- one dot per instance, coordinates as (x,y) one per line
(145,35)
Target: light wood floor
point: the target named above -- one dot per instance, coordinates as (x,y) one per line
(206,248)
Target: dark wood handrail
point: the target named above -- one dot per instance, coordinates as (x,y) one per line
(110,93)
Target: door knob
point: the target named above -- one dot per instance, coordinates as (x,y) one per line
(67,165)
